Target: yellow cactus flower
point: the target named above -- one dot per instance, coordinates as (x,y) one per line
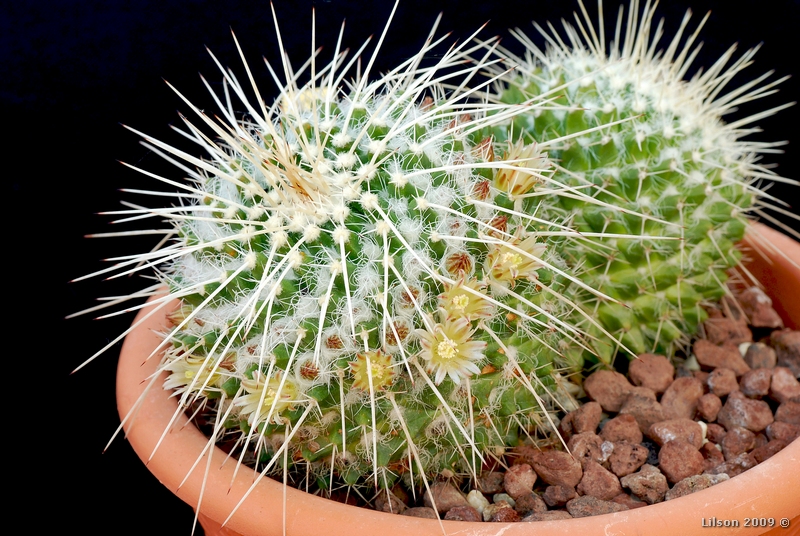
(524,173)
(505,264)
(450,351)
(191,373)
(458,301)
(256,404)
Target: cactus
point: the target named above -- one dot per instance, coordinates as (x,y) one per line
(674,169)
(382,279)
(356,282)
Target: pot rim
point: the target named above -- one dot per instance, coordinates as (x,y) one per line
(758,492)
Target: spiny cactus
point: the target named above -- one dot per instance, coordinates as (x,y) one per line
(361,285)
(381,279)
(675,169)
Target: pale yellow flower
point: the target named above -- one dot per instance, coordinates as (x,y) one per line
(458,301)
(523,174)
(380,368)
(450,351)
(257,403)
(191,373)
(505,264)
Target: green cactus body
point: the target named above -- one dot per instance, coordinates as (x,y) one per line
(674,169)
(361,287)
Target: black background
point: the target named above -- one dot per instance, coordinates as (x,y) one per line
(70,73)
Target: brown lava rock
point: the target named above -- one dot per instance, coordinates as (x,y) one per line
(652,371)
(587,446)
(501,513)
(582,420)
(644,408)
(784,385)
(755,383)
(642,392)
(530,503)
(587,417)
(765,452)
(754,415)
(684,429)
(421,511)
(694,483)
(551,515)
(712,456)
(708,407)
(628,500)
(558,495)
(680,399)
(463,513)
(622,428)
(608,388)
(735,466)
(759,355)
(519,480)
(598,482)
(627,458)
(722,382)
(788,412)
(721,330)
(649,484)
(445,495)
(783,431)
(703,377)
(758,308)
(386,501)
(678,459)
(727,356)
(715,432)
(556,467)
(566,428)
(589,479)
(737,441)
(787,348)
(591,506)
(491,482)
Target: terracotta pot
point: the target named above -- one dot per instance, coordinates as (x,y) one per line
(767,491)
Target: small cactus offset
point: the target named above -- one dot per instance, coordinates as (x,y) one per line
(674,169)
(356,282)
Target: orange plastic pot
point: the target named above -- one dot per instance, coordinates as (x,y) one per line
(769,491)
